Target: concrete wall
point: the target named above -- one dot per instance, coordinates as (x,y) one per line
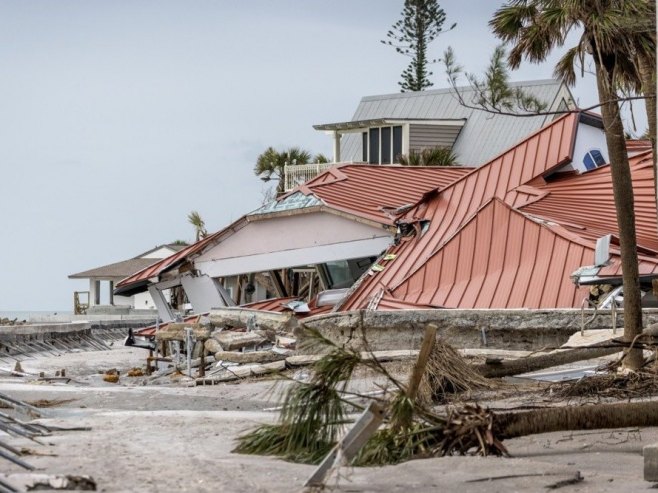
(503,329)
(19,333)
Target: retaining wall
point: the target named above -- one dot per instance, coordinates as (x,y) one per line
(44,332)
(499,329)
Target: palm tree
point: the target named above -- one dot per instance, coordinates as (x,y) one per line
(435,156)
(270,164)
(612,35)
(194,218)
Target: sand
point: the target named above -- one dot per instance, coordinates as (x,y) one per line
(165,438)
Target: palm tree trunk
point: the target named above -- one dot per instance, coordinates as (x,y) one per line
(536,363)
(622,187)
(648,74)
(601,416)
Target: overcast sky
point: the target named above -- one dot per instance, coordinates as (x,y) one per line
(117,118)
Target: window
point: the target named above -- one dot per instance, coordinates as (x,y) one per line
(397,143)
(386,145)
(373,154)
(382,145)
(593,159)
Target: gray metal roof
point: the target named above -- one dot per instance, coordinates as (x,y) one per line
(117,270)
(358,124)
(484,135)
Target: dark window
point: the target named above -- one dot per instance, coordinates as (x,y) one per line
(397,143)
(593,159)
(364,147)
(598,157)
(386,145)
(374,146)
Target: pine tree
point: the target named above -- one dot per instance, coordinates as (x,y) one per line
(421,23)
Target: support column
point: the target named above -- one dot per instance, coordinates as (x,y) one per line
(337,137)
(112,293)
(94,292)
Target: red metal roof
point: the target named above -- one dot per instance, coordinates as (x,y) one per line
(160,266)
(278,305)
(364,190)
(270,304)
(448,209)
(585,205)
(500,259)
(360,190)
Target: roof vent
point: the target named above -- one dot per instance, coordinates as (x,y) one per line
(602,252)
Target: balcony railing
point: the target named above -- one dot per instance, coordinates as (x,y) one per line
(296,174)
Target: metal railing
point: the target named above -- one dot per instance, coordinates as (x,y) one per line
(296,174)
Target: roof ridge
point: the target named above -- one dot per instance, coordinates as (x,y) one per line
(448,90)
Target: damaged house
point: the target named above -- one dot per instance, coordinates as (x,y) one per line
(510,233)
(325,234)
(506,234)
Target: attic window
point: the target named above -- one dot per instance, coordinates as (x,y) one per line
(593,159)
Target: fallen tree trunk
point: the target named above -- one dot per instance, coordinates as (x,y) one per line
(600,416)
(509,368)
(381,356)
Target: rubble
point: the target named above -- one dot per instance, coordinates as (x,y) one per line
(249,356)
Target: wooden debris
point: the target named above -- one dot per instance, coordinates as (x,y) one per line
(111,376)
(34,482)
(249,356)
(239,372)
(135,372)
(347,448)
(381,356)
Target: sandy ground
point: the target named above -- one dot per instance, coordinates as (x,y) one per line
(165,438)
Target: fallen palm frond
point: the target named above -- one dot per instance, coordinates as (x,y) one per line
(642,383)
(314,414)
(447,373)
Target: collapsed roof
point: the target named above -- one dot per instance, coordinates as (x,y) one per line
(359,194)
(510,233)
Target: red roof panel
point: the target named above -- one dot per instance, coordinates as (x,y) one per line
(448,209)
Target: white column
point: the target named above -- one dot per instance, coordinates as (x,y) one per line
(94,292)
(337,137)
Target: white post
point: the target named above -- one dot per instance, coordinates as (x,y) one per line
(188,348)
(285,177)
(337,137)
(94,292)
